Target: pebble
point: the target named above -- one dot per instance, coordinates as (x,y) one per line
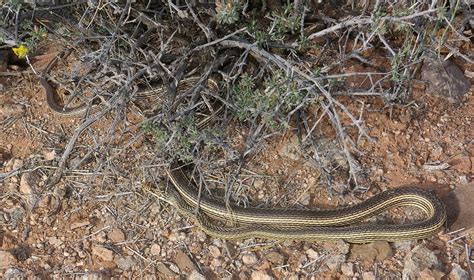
(103,253)
(155,250)
(49,155)
(368,275)
(378,250)
(444,78)
(163,270)
(275,258)
(260,275)
(183,261)
(124,263)
(312,254)
(13,273)
(215,252)
(6,259)
(417,260)
(116,235)
(334,262)
(25,187)
(249,259)
(457,273)
(347,269)
(195,275)
(216,263)
(305,199)
(258,183)
(428,274)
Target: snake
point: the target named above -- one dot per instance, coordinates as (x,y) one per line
(345,223)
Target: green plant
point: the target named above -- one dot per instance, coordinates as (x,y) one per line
(279,96)
(160,135)
(287,22)
(227,11)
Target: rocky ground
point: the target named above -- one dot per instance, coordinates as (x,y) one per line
(104,218)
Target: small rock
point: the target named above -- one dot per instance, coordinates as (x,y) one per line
(215,252)
(291,149)
(116,235)
(49,155)
(378,250)
(305,199)
(368,275)
(260,275)
(249,259)
(338,247)
(183,262)
(155,250)
(312,254)
(464,195)
(13,273)
(56,242)
(164,270)
(103,253)
(6,259)
(215,263)
(124,263)
(445,79)
(334,262)
(25,187)
(417,260)
(258,183)
(79,224)
(275,258)
(457,273)
(428,274)
(195,275)
(463,164)
(347,269)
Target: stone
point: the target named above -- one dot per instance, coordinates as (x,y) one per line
(183,261)
(195,275)
(25,187)
(249,259)
(164,270)
(79,224)
(275,258)
(155,249)
(124,263)
(334,262)
(312,254)
(445,79)
(378,250)
(103,253)
(49,155)
(215,252)
(417,260)
(305,199)
(215,263)
(347,269)
(368,275)
(116,235)
(457,273)
(465,211)
(13,273)
(260,275)
(6,259)
(429,274)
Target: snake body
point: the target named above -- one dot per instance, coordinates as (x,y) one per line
(290,224)
(55,107)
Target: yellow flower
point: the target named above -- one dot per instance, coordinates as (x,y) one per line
(21,51)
